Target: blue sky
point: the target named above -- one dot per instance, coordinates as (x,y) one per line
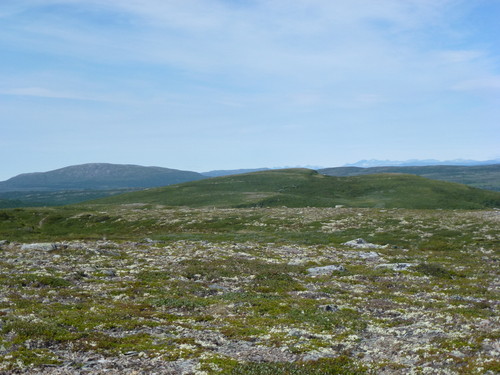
(224,84)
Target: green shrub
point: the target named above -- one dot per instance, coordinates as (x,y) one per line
(152,276)
(42,330)
(186,303)
(37,281)
(435,270)
(272,281)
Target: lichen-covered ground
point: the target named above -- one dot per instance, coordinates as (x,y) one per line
(189,296)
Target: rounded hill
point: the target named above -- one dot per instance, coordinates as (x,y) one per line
(305,187)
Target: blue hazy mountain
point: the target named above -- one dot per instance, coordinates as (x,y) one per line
(98,176)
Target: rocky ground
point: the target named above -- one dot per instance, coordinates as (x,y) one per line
(194,306)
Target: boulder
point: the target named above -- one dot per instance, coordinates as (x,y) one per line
(368,254)
(325,270)
(39,246)
(360,243)
(396,266)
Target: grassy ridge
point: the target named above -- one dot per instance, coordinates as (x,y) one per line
(304,187)
(13,199)
(9,203)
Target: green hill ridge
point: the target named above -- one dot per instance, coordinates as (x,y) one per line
(305,187)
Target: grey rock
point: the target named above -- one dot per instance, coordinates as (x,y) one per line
(39,246)
(244,255)
(360,243)
(151,241)
(328,308)
(295,333)
(107,252)
(396,266)
(368,254)
(79,275)
(109,273)
(458,354)
(325,270)
(218,287)
(315,356)
(309,294)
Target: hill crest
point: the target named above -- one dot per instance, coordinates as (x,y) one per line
(308,188)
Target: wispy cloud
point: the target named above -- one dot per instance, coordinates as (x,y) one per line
(270,46)
(42,93)
(460,56)
(480,84)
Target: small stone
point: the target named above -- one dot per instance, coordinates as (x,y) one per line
(218,287)
(295,333)
(151,241)
(109,273)
(329,308)
(310,294)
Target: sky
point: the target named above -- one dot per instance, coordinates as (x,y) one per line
(226,84)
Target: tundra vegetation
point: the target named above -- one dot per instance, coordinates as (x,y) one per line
(150,288)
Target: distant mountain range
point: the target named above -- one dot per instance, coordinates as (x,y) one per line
(98,176)
(85,182)
(480,176)
(417,162)
(105,176)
